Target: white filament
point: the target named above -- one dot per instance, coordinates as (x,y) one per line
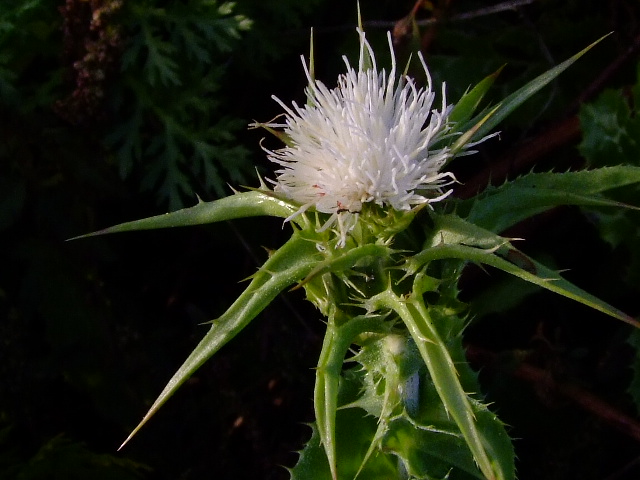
(369,139)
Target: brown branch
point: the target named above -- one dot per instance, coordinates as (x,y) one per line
(584,399)
(481,12)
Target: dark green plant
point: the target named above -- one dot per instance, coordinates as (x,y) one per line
(60,457)
(387,278)
(143,76)
(70,314)
(611,134)
(171,119)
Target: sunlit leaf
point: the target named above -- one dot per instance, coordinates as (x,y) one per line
(454,237)
(513,101)
(288,265)
(499,208)
(246,204)
(470,101)
(494,459)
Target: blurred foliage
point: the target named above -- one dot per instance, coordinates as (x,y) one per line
(155,95)
(634,387)
(611,134)
(79,82)
(170,114)
(25,31)
(60,458)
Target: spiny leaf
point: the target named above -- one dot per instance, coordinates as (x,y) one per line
(495,464)
(430,451)
(465,138)
(533,272)
(611,134)
(341,260)
(334,348)
(611,129)
(354,431)
(452,229)
(583,181)
(514,100)
(247,204)
(549,279)
(469,102)
(289,264)
(501,207)
(454,237)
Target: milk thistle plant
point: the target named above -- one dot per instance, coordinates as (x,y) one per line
(378,244)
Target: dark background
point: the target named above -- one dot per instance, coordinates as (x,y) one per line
(90,330)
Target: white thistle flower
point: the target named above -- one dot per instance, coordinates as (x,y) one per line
(367,140)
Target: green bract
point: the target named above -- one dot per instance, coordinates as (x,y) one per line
(394,395)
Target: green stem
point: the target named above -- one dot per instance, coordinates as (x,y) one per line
(443,372)
(337,341)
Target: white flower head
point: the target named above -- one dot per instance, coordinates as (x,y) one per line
(369,139)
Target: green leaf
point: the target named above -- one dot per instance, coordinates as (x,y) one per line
(414,424)
(413,434)
(611,130)
(336,343)
(495,460)
(354,431)
(611,135)
(469,102)
(513,101)
(634,387)
(288,265)
(340,260)
(173,67)
(499,208)
(341,332)
(246,204)
(159,65)
(454,237)
(431,450)
(532,272)
(365,56)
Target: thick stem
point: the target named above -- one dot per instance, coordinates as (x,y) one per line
(443,373)
(336,343)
